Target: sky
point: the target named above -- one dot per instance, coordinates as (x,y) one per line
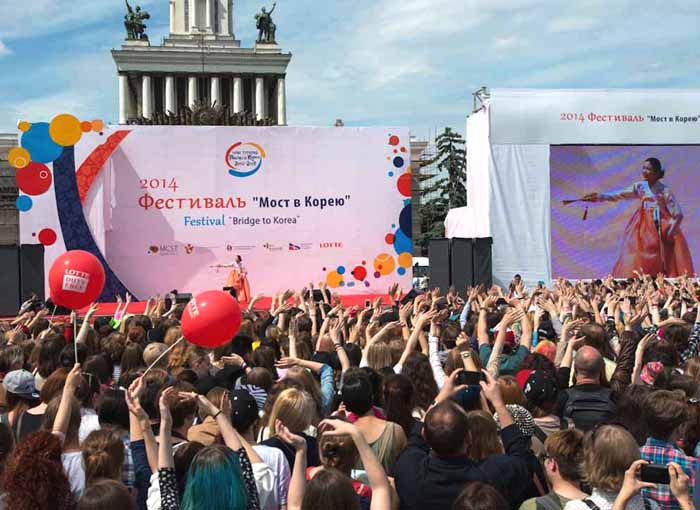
(411,63)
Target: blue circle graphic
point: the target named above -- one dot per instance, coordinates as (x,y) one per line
(38,142)
(23,203)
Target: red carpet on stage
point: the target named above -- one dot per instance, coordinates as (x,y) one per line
(264,304)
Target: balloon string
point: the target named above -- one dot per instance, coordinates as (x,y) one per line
(75,336)
(53,313)
(162,355)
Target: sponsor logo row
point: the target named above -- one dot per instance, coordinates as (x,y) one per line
(165,250)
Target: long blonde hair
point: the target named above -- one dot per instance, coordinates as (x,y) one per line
(295,408)
(379,355)
(608,452)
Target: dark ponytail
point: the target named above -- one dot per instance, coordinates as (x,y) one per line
(656,165)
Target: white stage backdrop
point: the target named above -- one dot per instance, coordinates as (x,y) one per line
(299,205)
(510,184)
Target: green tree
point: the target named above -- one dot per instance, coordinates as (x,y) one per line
(443,188)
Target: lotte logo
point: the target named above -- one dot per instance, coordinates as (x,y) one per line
(330,245)
(244,158)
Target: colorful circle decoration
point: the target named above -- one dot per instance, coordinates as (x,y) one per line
(333,279)
(402,243)
(33,179)
(97,125)
(38,142)
(23,203)
(65,130)
(384,264)
(403,184)
(18,157)
(47,236)
(406,219)
(406,259)
(86,126)
(359,273)
(23,126)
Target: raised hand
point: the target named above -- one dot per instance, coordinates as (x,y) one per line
(133,399)
(233,359)
(450,388)
(205,406)
(288,362)
(73,379)
(335,428)
(298,442)
(164,408)
(490,388)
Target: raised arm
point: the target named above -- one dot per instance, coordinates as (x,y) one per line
(335,332)
(139,423)
(165,439)
(85,327)
(421,321)
(512,316)
(378,481)
(60,423)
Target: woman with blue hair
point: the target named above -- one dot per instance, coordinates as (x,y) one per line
(220,477)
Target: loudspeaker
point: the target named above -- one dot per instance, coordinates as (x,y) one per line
(439,255)
(318,295)
(462,263)
(55,309)
(31,271)
(483,270)
(180,299)
(9,297)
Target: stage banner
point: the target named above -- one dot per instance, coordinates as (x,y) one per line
(629,116)
(196,208)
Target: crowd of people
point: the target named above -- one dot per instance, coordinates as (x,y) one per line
(580,396)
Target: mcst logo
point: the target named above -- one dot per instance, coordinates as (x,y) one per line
(244,158)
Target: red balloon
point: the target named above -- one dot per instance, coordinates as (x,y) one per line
(76,279)
(211,318)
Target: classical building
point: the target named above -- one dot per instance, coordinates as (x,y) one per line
(201,62)
(9,217)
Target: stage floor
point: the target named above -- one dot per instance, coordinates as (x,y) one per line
(108,309)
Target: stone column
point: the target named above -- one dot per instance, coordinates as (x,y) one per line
(172,17)
(281,102)
(147,96)
(209,15)
(215,90)
(193,14)
(225,21)
(191,91)
(124,99)
(170,95)
(259,97)
(237,94)
(229,5)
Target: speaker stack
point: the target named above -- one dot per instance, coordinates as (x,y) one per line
(460,262)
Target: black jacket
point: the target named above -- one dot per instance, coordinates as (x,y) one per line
(425,480)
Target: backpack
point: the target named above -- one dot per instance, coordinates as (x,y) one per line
(588,408)
(549,502)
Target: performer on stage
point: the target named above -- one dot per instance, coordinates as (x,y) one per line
(652,240)
(237,279)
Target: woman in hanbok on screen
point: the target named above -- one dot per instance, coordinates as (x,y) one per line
(652,240)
